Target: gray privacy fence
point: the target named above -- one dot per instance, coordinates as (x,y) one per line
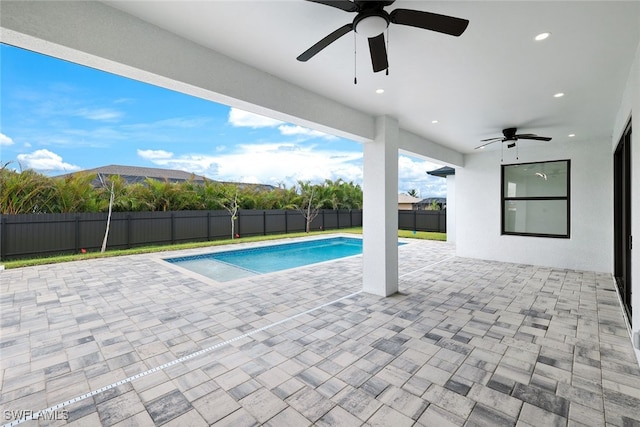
(23,236)
(423,221)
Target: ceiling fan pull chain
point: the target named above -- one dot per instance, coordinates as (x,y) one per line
(501,151)
(517,158)
(355,59)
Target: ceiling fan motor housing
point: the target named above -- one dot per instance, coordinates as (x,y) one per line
(510,134)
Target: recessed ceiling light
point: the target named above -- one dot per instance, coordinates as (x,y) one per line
(379,90)
(558,95)
(571,135)
(541,36)
(434,121)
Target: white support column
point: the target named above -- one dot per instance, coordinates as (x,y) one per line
(380,210)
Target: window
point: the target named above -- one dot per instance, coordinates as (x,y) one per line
(535,199)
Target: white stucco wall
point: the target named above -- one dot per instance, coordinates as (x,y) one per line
(451,208)
(478,208)
(630,107)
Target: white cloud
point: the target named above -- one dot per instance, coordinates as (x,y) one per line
(5,140)
(155,154)
(240,118)
(412,175)
(100,114)
(288,162)
(271,163)
(293,130)
(173,122)
(45,160)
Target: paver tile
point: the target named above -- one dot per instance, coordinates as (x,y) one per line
(451,401)
(536,416)
(119,408)
(491,398)
(215,406)
(167,407)
(189,419)
(483,415)
(403,402)
(262,404)
(436,416)
(386,416)
(288,418)
(357,402)
(311,404)
(338,417)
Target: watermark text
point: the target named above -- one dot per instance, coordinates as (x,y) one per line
(57,415)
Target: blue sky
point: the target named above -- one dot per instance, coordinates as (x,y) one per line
(58,117)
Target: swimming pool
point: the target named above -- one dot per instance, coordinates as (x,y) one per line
(236,264)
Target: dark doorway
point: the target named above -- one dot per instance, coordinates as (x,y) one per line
(622,219)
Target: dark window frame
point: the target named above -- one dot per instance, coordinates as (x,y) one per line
(504,199)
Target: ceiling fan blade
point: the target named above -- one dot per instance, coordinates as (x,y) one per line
(491,141)
(313,50)
(378,53)
(429,21)
(345,5)
(533,137)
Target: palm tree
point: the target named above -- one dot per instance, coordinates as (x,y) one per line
(75,193)
(25,192)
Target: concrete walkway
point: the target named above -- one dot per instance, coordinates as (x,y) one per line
(136,341)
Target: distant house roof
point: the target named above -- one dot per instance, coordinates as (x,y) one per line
(138,173)
(133,174)
(405,198)
(443,172)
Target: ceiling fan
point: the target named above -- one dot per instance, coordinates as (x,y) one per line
(511,137)
(372,20)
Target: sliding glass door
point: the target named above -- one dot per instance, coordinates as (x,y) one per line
(622,219)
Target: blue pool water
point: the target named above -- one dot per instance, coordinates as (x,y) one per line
(236,264)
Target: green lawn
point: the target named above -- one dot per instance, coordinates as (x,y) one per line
(150,249)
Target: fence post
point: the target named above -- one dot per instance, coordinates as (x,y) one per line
(208,226)
(286,223)
(173,235)
(77,233)
(323,227)
(3,225)
(238,219)
(264,222)
(128,231)
(415,220)
(338,218)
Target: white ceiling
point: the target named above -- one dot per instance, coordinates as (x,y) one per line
(493,76)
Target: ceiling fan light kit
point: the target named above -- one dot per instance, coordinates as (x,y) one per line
(370,24)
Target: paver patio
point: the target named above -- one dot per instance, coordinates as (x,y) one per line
(464,342)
